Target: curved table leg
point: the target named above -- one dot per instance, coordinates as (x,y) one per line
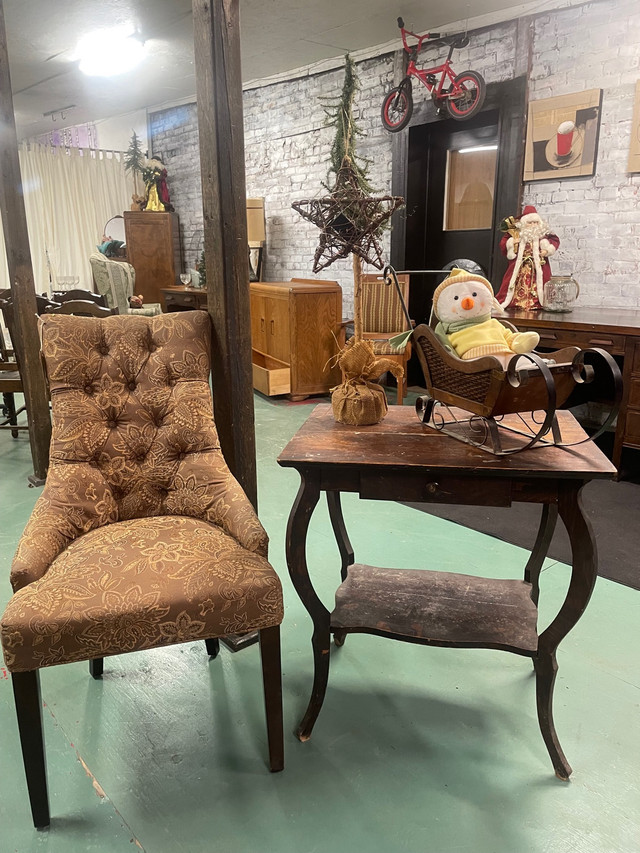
(340,532)
(583,578)
(539,551)
(297,528)
(344,546)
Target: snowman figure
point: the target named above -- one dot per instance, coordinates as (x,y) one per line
(463,303)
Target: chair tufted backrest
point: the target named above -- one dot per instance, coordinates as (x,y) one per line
(133,432)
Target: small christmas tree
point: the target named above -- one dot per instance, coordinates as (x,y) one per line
(202,270)
(134,159)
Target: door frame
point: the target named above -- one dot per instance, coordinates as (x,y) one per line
(508,99)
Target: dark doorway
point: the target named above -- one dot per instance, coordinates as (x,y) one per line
(450,197)
(504,116)
(503,120)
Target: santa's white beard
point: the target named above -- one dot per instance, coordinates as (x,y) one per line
(531,231)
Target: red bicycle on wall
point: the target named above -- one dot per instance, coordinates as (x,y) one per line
(461,95)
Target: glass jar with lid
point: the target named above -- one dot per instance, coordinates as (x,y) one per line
(560,293)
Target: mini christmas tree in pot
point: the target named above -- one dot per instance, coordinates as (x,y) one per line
(350,219)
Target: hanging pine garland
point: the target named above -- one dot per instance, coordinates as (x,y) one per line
(350,218)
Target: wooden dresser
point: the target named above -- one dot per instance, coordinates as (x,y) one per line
(295,326)
(153,249)
(616,330)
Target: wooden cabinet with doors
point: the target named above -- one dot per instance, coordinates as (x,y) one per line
(153,249)
(295,329)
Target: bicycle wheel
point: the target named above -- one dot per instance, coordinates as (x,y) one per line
(471,100)
(397,108)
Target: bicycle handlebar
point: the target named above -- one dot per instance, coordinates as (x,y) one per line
(421,39)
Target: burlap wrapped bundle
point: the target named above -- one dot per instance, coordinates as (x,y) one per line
(357,400)
(359,403)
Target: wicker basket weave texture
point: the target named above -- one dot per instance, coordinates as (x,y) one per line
(471,386)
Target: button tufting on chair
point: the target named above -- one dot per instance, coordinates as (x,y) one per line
(119,556)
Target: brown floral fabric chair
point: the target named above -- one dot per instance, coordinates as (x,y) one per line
(141,537)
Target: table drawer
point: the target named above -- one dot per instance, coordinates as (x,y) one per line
(436,488)
(558,338)
(187,300)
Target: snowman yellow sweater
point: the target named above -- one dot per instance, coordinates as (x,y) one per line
(473,340)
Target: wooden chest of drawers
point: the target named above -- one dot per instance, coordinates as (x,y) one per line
(616,330)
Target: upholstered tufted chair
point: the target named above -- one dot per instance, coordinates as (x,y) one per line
(141,536)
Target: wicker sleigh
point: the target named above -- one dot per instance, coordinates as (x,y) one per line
(532,385)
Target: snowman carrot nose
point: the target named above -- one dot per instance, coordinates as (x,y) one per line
(467,303)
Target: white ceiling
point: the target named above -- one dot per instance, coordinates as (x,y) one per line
(277,36)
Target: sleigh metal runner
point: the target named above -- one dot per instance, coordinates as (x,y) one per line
(506,411)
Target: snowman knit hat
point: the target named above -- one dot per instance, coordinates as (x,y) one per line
(457,276)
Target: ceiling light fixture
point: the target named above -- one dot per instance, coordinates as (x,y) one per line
(478,148)
(106,53)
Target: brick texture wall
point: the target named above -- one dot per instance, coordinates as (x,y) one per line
(287,147)
(596,46)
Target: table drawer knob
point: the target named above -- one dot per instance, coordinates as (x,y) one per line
(432,488)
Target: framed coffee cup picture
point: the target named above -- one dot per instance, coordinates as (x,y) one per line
(562,136)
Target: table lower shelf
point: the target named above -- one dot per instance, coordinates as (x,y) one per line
(440,608)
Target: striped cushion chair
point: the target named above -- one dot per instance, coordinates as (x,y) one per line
(116,280)
(382,318)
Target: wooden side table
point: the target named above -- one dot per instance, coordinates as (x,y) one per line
(184,298)
(402,460)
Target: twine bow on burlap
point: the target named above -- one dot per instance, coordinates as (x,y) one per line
(358,400)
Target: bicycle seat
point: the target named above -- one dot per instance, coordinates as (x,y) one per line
(457,42)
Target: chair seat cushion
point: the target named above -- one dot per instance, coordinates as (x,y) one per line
(137,584)
(385,348)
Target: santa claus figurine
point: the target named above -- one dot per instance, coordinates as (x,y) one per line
(527,244)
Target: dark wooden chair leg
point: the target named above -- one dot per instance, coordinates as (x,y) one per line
(272,681)
(26,690)
(213,647)
(9,401)
(546,668)
(96,667)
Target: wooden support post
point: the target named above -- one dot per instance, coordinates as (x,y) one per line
(220,123)
(14,223)
(220,127)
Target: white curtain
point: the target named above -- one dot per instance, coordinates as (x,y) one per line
(69,194)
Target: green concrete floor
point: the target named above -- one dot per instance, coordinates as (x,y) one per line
(416,749)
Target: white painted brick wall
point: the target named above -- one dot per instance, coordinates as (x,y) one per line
(595,46)
(287,148)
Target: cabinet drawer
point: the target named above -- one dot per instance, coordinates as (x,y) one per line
(632,427)
(636,358)
(634,393)
(558,338)
(270,375)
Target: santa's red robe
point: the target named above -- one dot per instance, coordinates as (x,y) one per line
(523,282)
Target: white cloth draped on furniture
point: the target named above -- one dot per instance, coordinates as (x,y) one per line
(69,193)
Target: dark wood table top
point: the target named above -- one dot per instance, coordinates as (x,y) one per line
(620,320)
(402,442)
